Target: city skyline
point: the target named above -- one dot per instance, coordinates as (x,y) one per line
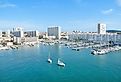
(71,15)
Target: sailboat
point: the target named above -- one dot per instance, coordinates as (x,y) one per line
(49,59)
(60,63)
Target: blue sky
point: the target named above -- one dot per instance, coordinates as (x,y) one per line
(71,15)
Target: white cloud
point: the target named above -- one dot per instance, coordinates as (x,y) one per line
(109,11)
(5,5)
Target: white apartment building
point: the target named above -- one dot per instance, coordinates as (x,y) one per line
(32,33)
(95,37)
(5,33)
(54,31)
(18,32)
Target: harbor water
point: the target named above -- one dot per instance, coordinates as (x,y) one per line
(29,64)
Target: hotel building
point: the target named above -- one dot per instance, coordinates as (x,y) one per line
(54,31)
(18,32)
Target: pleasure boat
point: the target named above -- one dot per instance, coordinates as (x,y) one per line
(60,63)
(98,52)
(49,60)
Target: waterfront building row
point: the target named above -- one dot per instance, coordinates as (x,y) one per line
(95,37)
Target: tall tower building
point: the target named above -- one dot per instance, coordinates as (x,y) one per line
(54,31)
(101,28)
(18,32)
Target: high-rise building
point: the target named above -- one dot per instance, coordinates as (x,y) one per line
(32,33)
(54,31)
(18,32)
(101,28)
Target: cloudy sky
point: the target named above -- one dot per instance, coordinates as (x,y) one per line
(71,15)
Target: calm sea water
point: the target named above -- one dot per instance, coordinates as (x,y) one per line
(29,64)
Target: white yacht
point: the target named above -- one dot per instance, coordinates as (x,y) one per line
(60,63)
(4,48)
(98,52)
(49,59)
(101,52)
(118,47)
(94,52)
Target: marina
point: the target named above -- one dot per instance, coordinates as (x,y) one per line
(60,41)
(29,64)
(96,48)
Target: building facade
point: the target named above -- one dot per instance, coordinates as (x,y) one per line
(18,32)
(101,28)
(86,36)
(32,33)
(54,31)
